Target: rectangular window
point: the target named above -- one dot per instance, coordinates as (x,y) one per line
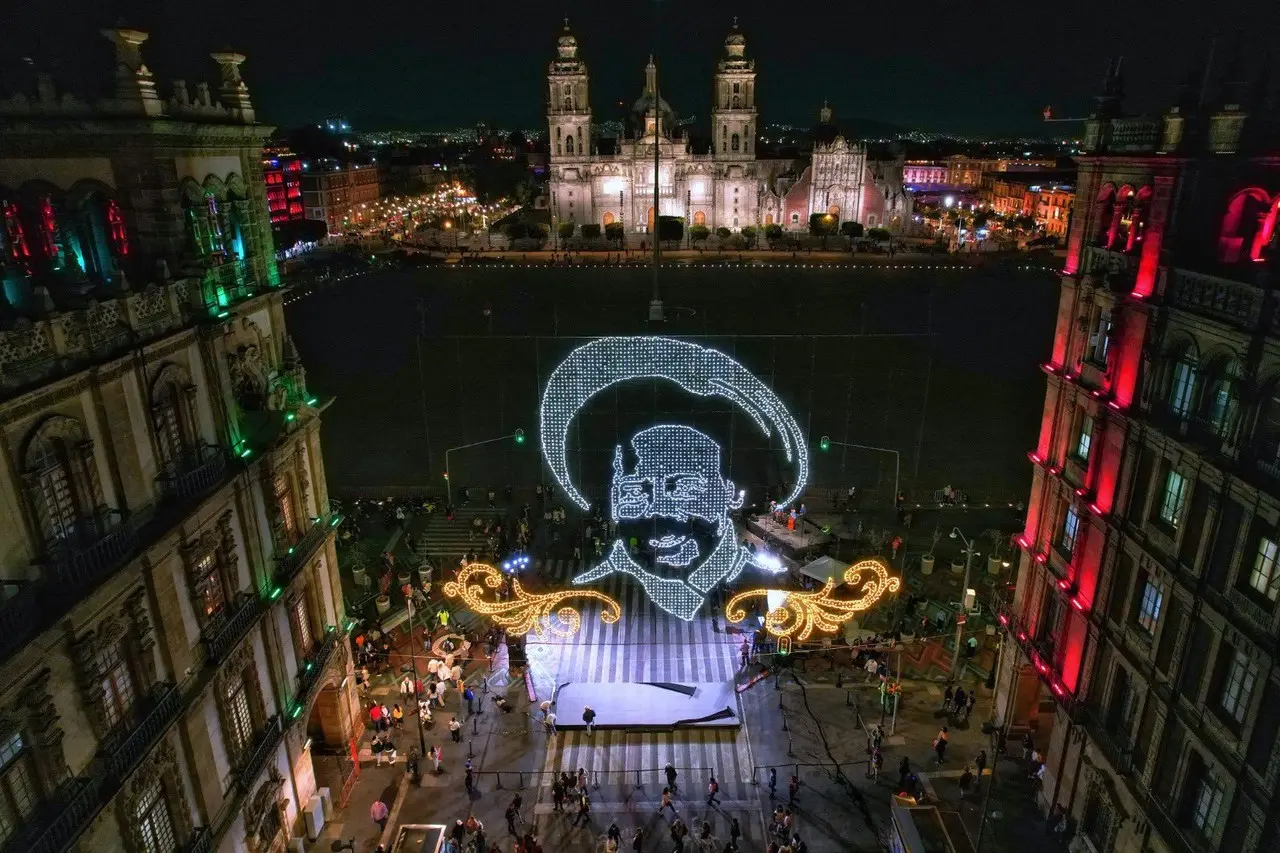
(1070,529)
(154,824)
(1085,439)
(116,684)
(1237,688)
(1207,805)
(1262,577)
(1150,606)
(302,626)
(1184,382)
(1173,498)
(239,720)
(284,500)
(1100,340)
(18,795)
(209,590)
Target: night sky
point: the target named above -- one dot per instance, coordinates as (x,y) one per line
(971,68)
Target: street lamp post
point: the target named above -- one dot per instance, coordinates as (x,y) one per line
(897,460)
(517,436)
(968,564)
(413,659)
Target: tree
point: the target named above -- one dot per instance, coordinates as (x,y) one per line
(723,233)
(699,233)
(591,231)
(879,235)
(980,220)
(749,234)
(537,231)
(1026,223)
(671,228)
(773,233)
(517,231)
(566,229)
(614,231)
(852,230)
(822,225)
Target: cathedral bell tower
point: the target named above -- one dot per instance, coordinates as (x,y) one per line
(568,110)
(733,114)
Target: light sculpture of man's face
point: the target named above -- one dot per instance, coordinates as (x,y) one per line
(676,480)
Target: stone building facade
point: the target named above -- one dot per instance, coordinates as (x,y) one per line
(172,626)
(1142,637)
(728,186)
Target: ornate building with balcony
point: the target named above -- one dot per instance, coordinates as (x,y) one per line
(1142,636)
(171,622)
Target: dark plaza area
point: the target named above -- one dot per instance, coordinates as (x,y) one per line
(934,360)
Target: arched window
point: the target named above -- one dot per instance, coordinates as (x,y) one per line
(568,101)
(724,138)
(17,252)
(59,472)
(172,416)
(737,102)
(699,218)
(1138,220)
(768,219)
(1220,408)
(736,143)
(568,145)
(19,789)
(1104,208)
(1183,378)
(1121,219)
(1247,227)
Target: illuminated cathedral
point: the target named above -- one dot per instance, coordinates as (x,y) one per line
(603,181)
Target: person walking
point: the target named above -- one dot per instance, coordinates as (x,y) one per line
(397,717)
(584,810)
(375,717)
(960,699)
(666,801)
(549,723)
(877,764)
(437,756)
(511,814)
(1028,747)
(735,832)
(904,773)
(637,843)
(745,652)
(713,788)
(965,781)
(378,813)
(940,745)
(455,730)
(947,696)
(670,771)
(968,706)
(470,696)
(793,788)
(557,795)
(980,762)
(589,717)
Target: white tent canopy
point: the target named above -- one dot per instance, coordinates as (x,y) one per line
(824,569)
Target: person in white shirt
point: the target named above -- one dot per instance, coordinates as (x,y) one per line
(456,674)
(441,688)
(549,721)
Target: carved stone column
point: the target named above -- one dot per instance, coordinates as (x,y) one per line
(141,636)
(302,480)
(228,558)
(42,725)
(84,652)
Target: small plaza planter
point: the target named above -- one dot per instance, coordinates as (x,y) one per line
(404,578)
(384,604)
(360,576)
(926,565)
(957,567)
(994,565)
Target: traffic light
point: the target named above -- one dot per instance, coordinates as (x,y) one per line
(519,436)
(784,645)
(824,443)
(446,475)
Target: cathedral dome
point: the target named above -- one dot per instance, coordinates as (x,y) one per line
(567,45)
(736,43)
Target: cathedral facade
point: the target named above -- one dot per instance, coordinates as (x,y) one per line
(606,181)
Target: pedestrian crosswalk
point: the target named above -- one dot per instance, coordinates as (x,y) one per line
(645,645)
(446,541)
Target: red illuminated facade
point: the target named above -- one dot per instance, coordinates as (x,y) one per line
(1145,611)
(282,173)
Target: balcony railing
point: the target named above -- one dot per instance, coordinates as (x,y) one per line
(133,746)
(311,672)
(97,548)
(292,561)
(64,818)
(225,634)
(262,750)
(1098,260)
(195,475)
(201,841)
(1133,134)
(1235,302)
(1118,749)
